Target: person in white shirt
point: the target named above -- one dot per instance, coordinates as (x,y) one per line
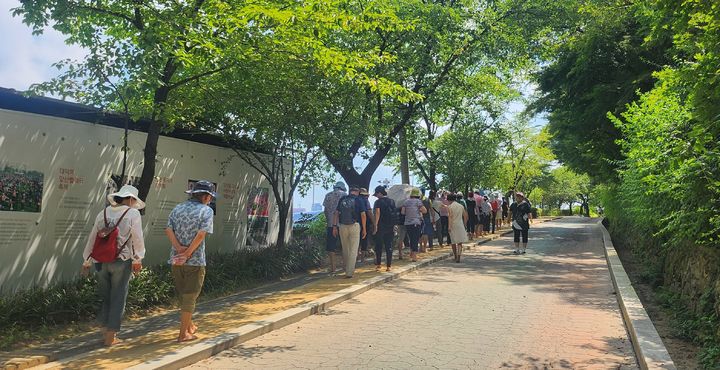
(114,277)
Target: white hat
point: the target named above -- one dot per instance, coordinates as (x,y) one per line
(124,192)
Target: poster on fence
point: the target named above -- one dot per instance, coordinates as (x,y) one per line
(21,189)
(257,212)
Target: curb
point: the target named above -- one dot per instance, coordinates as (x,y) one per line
(205,349)
(649,348)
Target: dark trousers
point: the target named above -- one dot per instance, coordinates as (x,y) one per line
(443,232)
(384,241)
(413,232)
(493,216)
(517,233)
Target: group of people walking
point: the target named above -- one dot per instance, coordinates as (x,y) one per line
(351,223)
(451,217)
(188,224)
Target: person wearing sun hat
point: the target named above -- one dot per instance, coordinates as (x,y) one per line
(521,215)
(413,209)
(329,206)
(188,224)
(114,277)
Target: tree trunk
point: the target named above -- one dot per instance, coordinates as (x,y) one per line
(283,213)
(148,172)
(571,204)
(404,165)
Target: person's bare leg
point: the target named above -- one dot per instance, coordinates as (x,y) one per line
(110,337)
(185,322)
(331,256)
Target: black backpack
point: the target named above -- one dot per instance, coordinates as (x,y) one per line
(346,210)
(388,212)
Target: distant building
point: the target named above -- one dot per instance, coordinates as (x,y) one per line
(298,210)
(316,207)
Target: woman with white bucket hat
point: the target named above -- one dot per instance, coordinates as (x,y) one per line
(114,276)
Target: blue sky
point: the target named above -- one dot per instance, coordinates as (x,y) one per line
(26,59)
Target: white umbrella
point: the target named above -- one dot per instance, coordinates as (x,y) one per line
(399,193)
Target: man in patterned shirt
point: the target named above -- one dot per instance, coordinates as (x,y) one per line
(188,224)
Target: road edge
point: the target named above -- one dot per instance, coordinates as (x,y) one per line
(649,348)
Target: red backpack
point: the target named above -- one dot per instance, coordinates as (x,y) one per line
(106,248)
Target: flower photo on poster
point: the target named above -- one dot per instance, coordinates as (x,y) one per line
(258,210)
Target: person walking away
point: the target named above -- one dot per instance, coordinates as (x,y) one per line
(487,212)
(457,216)
(329,206)
(349,222)
(114,275)
(505,207)
(521,216)
(494,209)
(429,219)
(472,216)
(369,225)
(443,231)
(478,211)
(384,223)
(413,210)
(188,225)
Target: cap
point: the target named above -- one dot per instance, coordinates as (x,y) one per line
(364,191)
(381,190)
(339,185)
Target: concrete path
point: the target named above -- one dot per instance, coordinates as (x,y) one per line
(552,308)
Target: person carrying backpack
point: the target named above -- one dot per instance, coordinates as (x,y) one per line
(384,212)
(413,209)
(329,206)
(116,247)
(429,219)
(349,222)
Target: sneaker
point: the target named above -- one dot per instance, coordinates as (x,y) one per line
(523,252)
(516,252)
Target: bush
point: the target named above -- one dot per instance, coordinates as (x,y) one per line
(76,301)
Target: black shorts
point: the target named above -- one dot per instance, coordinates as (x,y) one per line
(331,241)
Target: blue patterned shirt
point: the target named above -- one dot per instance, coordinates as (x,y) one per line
(185,220)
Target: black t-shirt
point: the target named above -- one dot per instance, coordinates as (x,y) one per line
(470,207)
(519,210)
(386,223)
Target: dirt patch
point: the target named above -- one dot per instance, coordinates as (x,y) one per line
(683,352)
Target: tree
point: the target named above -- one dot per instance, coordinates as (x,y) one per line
(449,41)
(599,70)
(159,53)
(526,156)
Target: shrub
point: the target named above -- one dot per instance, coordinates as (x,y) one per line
(24,312)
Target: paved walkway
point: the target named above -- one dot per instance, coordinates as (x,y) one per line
(154,337)
(552,308)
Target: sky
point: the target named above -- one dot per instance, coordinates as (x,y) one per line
(26,59)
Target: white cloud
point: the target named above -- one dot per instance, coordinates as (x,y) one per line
(26,59)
